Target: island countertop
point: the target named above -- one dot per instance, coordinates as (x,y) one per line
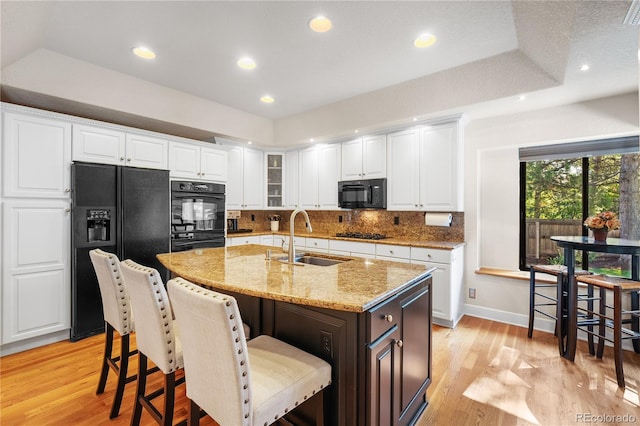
(355,285)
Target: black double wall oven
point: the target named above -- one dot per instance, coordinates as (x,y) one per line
(197,215)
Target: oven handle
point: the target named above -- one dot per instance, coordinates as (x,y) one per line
(202,195)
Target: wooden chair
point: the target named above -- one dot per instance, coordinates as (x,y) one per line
(239,382)
(559,315)
(118,317)
(156,340)
(617,286)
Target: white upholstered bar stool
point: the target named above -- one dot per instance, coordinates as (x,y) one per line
(239,382)
(156,339)
(117,316)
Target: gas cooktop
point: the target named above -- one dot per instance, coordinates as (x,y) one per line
(360,235)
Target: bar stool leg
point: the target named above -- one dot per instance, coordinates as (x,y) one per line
(108,348)
(140,389)
(122,376)
(561,322)
(617,331)
(532,284)
(602,326)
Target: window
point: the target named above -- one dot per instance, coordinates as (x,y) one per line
(560,185)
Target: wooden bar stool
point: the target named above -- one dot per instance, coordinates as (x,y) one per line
(618,286)
(117,316)
(560,314)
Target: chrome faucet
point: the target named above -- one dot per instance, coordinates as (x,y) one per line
(292,246)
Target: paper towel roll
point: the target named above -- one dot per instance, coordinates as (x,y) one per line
(438,219)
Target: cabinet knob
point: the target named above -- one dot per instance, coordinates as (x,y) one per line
(67,190)
(128,159)
(67,210)
(388,318)
(415,205)
(121,158)
(390,251)
(399,343)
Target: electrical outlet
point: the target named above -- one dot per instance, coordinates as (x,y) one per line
(396,220)
(327,343)
(340,219)
(472,293)
(253,218)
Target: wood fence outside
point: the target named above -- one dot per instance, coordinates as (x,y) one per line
(540,231)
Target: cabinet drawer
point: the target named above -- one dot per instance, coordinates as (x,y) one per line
(353,247)
(317,244)
(388,250)
(430,255)
(382,318)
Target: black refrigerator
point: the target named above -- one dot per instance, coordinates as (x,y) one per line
(121,210)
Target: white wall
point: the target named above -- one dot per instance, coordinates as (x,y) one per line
(492,190)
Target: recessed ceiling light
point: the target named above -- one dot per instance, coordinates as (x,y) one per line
(585,67)
(143,52)
(320,24)
(249,142)
(424,40)
(415,118)
(246,63)
(267,99)
(356,131)
(312,140)
(522,97)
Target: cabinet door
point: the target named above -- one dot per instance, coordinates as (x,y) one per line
(213,164)
(309,178)
(352,159)
(415,350)
(292,179)
(275,179)
(235,177)
(35,274)
(145,151)
(384,383)
(328,176)
(97,145)
(404,172)
(439,165)
(374,156)
(253,187)
(441,288)
(37,157)
(184,160)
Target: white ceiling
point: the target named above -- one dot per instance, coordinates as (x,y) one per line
(369,48)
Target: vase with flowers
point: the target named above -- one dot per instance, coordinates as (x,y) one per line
(275,221)
(601,223)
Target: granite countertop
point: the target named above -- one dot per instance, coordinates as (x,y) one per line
(355,285)
(442,245)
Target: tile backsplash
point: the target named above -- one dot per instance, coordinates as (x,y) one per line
(410,225)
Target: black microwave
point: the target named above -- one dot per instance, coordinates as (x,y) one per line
(363,194)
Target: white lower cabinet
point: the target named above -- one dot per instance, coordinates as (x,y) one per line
(36,293)
(447,282)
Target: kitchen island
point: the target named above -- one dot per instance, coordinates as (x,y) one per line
(370,319)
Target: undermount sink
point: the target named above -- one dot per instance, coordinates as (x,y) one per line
(314,259)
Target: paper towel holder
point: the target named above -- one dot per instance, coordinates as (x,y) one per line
(438,219)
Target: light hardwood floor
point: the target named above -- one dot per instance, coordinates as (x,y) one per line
(484,373)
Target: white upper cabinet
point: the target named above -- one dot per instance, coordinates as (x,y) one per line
(319,176)
(245,184)
(403,190)
(441,161)
(364,158)
(36,158)
(195,161)
(292,179)
(425,168)
(107,146)
(275,179)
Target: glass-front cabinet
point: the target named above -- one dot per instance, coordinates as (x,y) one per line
(275,179)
